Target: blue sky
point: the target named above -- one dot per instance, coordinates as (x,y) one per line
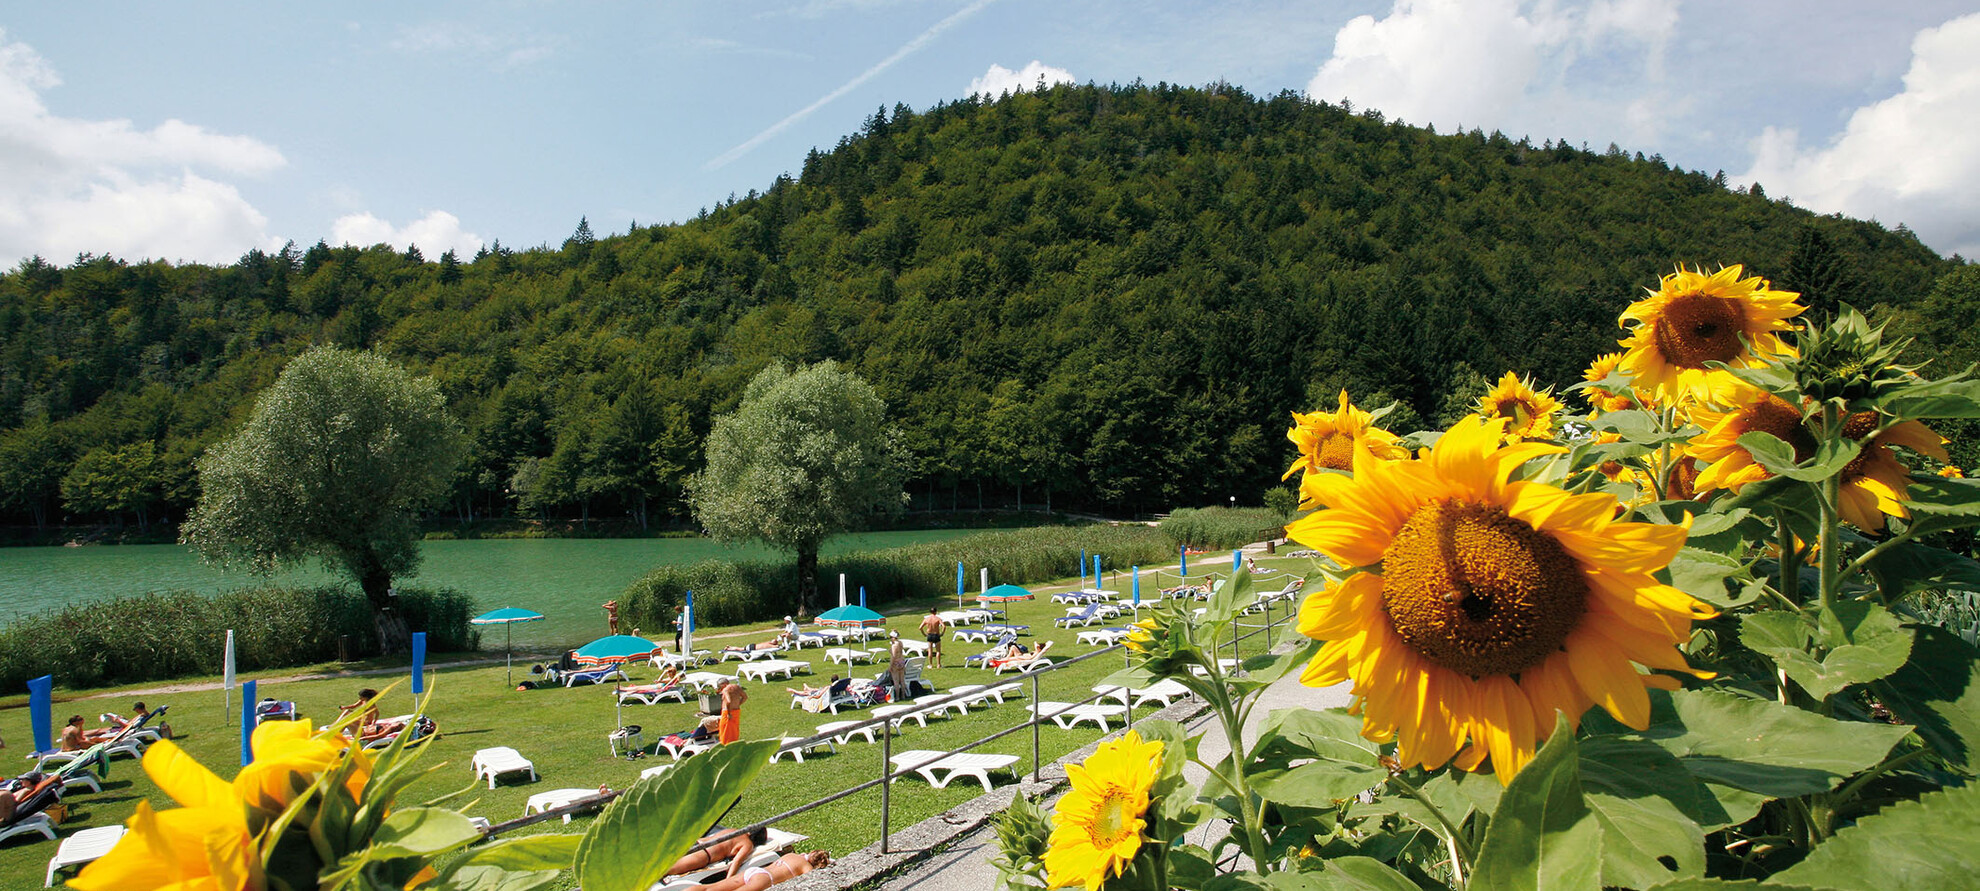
(196,131)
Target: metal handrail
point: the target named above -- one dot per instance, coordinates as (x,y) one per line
(886,725)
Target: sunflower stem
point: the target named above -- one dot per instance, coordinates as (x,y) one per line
(1790,584)
(1461,850)
(1849,790)
(1831,489)
(1253,840)
(1862,562)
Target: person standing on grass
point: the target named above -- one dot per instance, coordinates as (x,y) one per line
(611,616)
(680,629)
(897,665)
(733,697)
(932,627)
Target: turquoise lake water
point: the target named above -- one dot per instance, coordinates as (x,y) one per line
(565,579)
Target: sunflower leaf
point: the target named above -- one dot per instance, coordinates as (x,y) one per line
(1758,745)
(1650,809)
(1778,457)
(1921,844)
(1543,835)
(1912,566)
(1938,692)
(632,844)
(1855,643)
(1640,427)
(1703,574)
(1957,398)
(1320,784)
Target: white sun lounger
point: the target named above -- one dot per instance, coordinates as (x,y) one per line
(797,752)
(82,847)
(1163,692)
(1067,715)
(1103,637)
(652,696)
(679,750)
(763,670)
(901,713)
(751,655)
(556,798)
(974,693)
(499,760)
(834,728)
(939,769)
(850,655)
(705,681)
(655,770)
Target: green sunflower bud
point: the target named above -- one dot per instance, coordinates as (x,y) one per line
(1847,361)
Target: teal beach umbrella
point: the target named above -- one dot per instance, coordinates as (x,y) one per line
(506,618)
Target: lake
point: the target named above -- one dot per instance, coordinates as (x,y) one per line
(563,578)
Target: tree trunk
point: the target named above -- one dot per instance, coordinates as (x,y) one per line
(1020,494)
(807,570)
(377,585)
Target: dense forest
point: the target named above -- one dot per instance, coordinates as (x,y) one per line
(1104,297)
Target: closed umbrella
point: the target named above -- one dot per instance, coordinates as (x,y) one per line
(507,617)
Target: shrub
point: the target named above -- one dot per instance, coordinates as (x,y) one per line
(1221,527)
(732,593)
(165,635)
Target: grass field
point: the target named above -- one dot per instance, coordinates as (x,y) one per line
(565,732)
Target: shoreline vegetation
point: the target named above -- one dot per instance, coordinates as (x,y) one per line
(161,636)
(505,528)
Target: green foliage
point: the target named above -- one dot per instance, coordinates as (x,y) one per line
(1221,527)
(158,636)
(1098,297)
(335,461)
(646,830)
(733,593)
(806,456)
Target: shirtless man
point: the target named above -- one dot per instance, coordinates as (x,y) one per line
(932,627)
(733,697)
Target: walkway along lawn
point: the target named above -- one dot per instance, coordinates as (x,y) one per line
(565,732)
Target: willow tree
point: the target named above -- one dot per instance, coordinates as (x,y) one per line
(805,456)
(338,459)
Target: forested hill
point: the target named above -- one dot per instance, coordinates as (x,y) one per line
(1113,295)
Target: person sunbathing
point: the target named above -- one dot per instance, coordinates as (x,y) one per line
(783,869)
(1022,657)
(736,851)
(817,699)
(755,647)
(670,676)
(368,727)
(75,738)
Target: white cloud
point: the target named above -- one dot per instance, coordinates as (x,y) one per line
(1912,158)
(452,38)
(69,185)
(435,233)
(1000,80)
(1505,64)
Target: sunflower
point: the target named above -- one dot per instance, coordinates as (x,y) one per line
(204,844)
(1952,472)
(1496,603)
(1100,822)
(1694,318)
(1602,399)
(1529,414)
(1873,483)
(1743,409)
(1329,440)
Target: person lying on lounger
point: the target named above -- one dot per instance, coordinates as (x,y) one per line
(758,878)
(735,851)
(817,699)
(1021,657)
(76,739)
(368,727)
(765,645)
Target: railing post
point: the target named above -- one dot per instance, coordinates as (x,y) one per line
(886,779)
(1036,767)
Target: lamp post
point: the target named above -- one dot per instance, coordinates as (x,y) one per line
(1233,502)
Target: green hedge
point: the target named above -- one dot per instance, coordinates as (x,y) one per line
(1221,527)
(734,593)
(152,637)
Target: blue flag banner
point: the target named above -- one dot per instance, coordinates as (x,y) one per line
(1096,572)
(247,723)
(419,663)
(1237,561)
(1082,568)
(41,711)
(1184,551)
(862,595)
(1137,586)
(959,583)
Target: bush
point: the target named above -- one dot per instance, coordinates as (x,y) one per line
(1221,527)
(734,593)
(153,637)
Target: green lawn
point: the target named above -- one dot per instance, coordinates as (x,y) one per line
(564,731)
